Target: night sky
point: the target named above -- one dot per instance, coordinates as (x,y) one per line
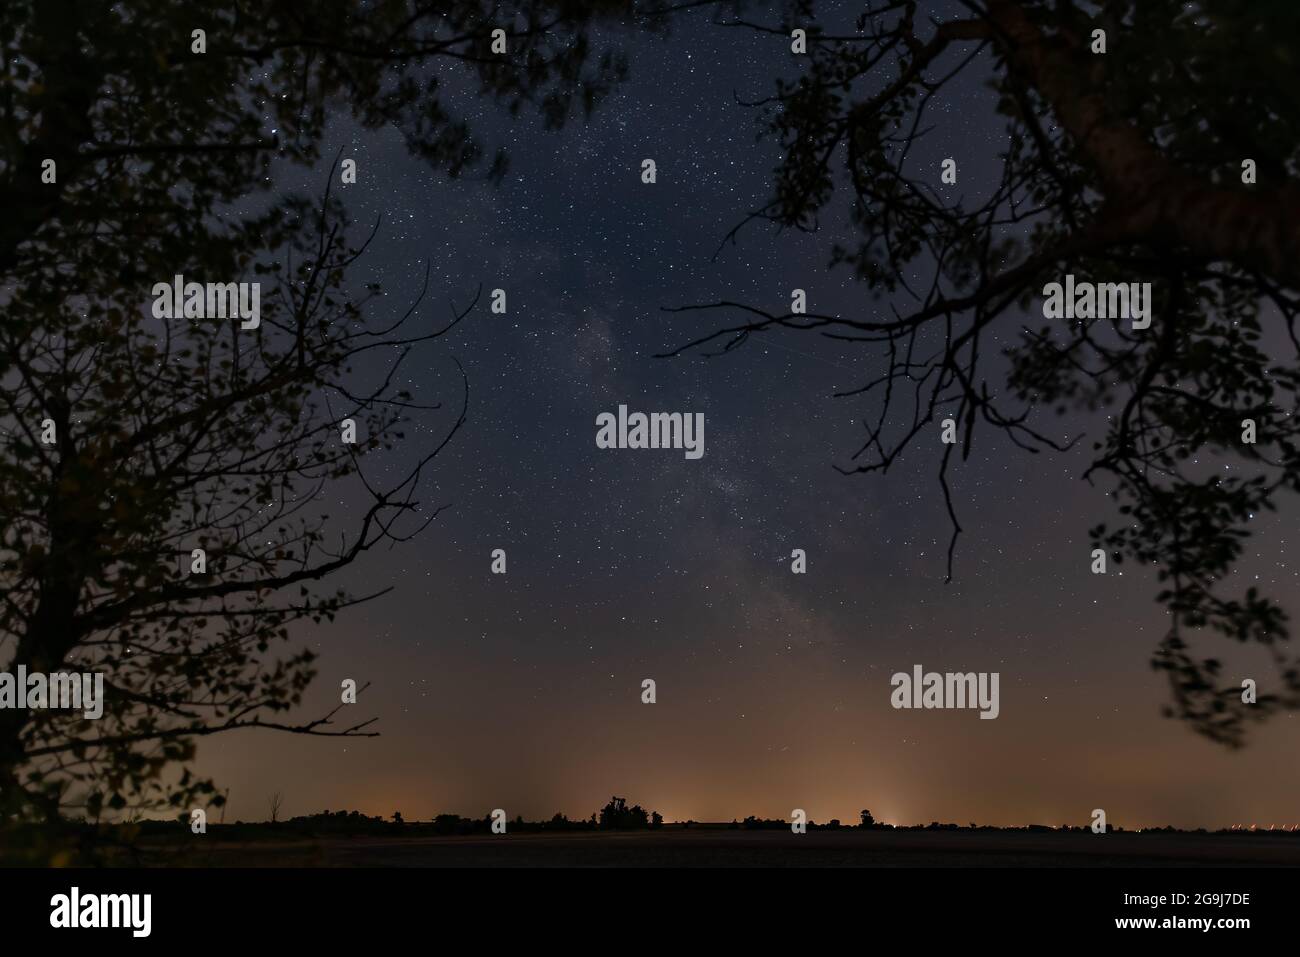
(523,691)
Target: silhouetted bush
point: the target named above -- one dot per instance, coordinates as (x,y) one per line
(617,816)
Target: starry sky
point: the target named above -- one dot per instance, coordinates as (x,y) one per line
(523,691)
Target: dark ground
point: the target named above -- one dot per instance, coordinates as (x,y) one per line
(740,848)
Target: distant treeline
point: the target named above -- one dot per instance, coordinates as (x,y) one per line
(614,816)
(140,842)
(617,815)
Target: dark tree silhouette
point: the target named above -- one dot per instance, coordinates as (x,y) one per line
(1124,166)
(175,434)
(617,816)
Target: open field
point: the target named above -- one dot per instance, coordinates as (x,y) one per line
(708,847)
